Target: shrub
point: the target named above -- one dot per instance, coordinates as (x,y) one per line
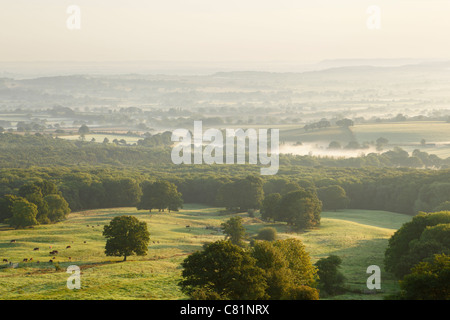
(302,293)
(267,234)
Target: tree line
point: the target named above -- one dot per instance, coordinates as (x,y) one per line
(399,190)
(17,151)
(418,254)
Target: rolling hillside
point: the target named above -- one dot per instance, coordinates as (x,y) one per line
(358,236)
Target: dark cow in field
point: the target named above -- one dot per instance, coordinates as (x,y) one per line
(13,241)
(25,260)
(36,249)
(5,260)
(51,261)
(68,247)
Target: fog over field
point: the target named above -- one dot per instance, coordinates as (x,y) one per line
(402,101)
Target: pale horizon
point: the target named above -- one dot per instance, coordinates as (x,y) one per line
(212,31)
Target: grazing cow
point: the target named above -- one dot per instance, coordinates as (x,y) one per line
(25,260)
(188,226)
(51,261)
(36,249)
(54,258)
(5,260)
(84,241)
(70,258)
(31,259)
(13,241)
(68,247)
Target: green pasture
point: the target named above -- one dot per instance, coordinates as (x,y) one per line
(358,236)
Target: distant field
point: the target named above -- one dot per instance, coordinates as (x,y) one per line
(358,236)
(100,137)
(404,132)
(326,135)
(407,135)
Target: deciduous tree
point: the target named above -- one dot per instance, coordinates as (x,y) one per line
(126,236)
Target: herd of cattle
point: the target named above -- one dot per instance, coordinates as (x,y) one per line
(52,254)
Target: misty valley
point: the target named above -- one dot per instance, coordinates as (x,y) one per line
(120,180)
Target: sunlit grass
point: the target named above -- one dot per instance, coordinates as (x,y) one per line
(358,236)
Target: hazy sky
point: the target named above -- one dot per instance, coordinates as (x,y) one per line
(225,30)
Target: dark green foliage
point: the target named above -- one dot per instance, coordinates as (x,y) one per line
(160,195)
(267,234)
(234,230)
(121,193)
(6,204)
(269,270)
(345,122)
(426,234)
(333,197)
(276,272)
(300,209)
(244,194)
(331,279)
(79,170)
(444,206)
(23,214)
(202,189)
(428,280)
(269,210)
(225,269)
(204,294)
(287,267)
(334,145)
(51,205)
(301,293)
(126,236)
(42,206)
(432,195)
(44,150)
(83,130)
(58,208)
(299,262)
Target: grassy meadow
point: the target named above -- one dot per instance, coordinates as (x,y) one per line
(407,132)
(358,236)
